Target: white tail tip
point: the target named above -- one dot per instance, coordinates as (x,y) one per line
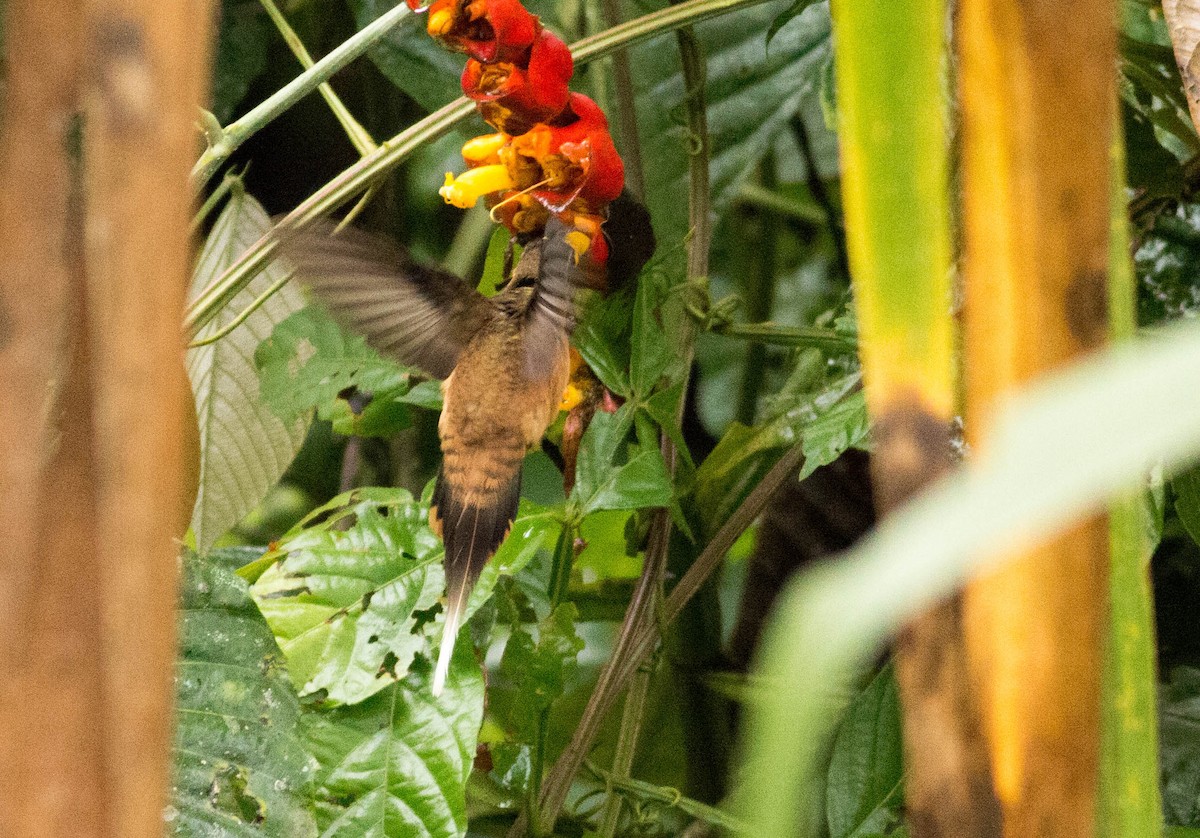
(444,654)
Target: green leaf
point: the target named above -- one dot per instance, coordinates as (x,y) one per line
(752,93)
(1093,428)
(241,56)
(603,338)
(308,361)
(1150,83)
(653,353)
(787,16)
(601,483)
(1186,485)
(427,394)
(396,766)
(244,446)
(410,59)
(343,602)
(383,416)
(1179,738)
(493,263)
(533,673)
(864,788)
(838,427)
(239,767)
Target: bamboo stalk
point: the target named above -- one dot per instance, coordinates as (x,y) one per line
(1130,799)
(893,137)
(1037,91)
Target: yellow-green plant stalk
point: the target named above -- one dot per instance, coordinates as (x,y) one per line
(1130,803)
(889,65)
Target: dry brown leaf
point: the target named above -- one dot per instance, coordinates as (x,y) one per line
(1183,24)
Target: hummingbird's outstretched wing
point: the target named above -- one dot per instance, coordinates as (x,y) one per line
(416,314)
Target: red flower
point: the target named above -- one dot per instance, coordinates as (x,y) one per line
(486,30)
(513,96)
(572,159)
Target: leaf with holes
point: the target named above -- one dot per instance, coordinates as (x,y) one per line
(309,362)
(397,764)
(342,601)
(345,603)
(239,767)
(244,446)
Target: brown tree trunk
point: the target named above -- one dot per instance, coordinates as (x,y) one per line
(94,405)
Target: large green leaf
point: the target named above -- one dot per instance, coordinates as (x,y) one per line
(345,602)
(1179,728)
(752,93)
(864,789)
(410,59)
(242,42)
(244,446)
(310,362)
(240,767)
(396,766)
(1061,450)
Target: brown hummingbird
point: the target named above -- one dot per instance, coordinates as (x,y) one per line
(504,362)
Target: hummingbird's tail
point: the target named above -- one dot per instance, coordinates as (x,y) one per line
(472,528)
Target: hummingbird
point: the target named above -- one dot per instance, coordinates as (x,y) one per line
(503,360)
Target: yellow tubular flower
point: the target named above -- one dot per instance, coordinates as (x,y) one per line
(463,191)
(571,398)
(484,147)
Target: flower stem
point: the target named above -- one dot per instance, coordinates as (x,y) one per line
(233,135)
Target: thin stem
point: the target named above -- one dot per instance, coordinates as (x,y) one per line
(626,107)
(233,135)
(712,554)
(210,203)
(359,136)
(820,194)
(760,298)
(391,153)
(671,797)
(225,330)
(756,196)
(631,723)
(776,335)
(711,557)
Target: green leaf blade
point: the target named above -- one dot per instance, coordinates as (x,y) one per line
(244,446)
(397,764)
(239,767)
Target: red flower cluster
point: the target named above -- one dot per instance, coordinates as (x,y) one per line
(553,152)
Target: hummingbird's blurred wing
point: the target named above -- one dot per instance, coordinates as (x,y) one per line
(554,307)
(421,316)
